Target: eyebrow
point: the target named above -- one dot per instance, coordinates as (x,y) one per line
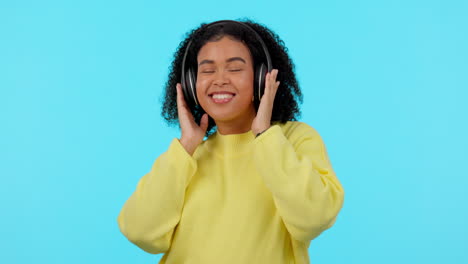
(228,60)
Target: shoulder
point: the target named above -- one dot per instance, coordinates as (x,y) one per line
(293,129)
(302,134)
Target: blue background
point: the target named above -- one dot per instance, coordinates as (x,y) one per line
(385,84)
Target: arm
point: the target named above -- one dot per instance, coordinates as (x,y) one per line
(307,194)
(152,212)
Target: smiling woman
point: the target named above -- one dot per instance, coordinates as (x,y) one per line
(263,46)
(261,186)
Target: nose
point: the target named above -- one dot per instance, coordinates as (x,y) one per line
(220,78)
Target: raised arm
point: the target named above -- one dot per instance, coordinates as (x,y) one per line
(152,212)
(306,191)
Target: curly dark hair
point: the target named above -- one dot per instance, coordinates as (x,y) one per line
(285,107)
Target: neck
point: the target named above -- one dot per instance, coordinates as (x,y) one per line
(238,126)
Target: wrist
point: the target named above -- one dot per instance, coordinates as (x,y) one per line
(188,145)
(261,132)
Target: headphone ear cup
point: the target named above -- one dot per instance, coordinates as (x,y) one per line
(259,86)
(190,90)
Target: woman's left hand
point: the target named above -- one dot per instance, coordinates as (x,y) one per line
(263,119)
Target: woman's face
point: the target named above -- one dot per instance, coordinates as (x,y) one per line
(225,81)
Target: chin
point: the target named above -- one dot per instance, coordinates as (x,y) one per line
(222,118)
(230,113)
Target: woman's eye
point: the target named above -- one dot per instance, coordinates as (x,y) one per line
(206,71)
(235,70)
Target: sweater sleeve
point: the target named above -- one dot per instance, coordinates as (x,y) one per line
(305,189)
(150,215)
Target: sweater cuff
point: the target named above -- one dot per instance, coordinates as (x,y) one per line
(179,157)
(273,130)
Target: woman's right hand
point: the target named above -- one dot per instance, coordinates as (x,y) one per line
(192,133)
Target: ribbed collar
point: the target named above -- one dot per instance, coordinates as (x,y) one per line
(230,145)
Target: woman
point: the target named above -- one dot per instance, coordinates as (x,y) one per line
(260,187)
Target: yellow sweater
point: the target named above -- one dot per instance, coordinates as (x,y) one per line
(238,199)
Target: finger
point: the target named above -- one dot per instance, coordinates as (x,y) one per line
(204,122)
(182,110)
(273,81)
(274,75)
(270,81)
(180,97)
(276,87)
(268,89)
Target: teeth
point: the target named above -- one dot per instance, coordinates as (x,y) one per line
(222,96)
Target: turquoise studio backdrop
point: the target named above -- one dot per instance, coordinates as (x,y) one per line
(384,82)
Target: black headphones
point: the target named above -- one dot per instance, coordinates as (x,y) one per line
(189,76)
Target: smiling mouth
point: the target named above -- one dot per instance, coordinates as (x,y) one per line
(221,98)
